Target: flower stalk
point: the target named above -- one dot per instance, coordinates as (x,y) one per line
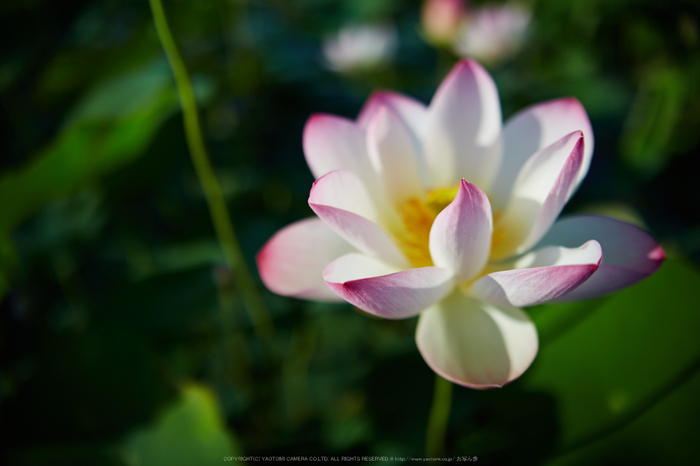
(221,220)
(439,415)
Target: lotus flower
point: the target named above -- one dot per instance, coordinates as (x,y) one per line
(360,47)
(442,19)
(443,211)
(493,33)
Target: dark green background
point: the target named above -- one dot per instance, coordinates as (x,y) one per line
(122,338)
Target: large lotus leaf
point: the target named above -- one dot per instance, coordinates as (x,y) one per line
(191,432)
(666,433)
(624,353)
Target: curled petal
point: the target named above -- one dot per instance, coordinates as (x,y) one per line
(541,190)
(476,344)
(629,253)
(342,202)
(463,124)
(533,129)
(291,263)
(384,290)
(540,276)
(460,238)
(392,152)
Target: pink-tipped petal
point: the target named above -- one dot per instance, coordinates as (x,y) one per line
(463,124)
(533,129)
(342,189)
(392,152)
(476,344)
(460,238)
(334,143)
(542,188)
(384,290)
(412,112)
(540,276)
(629,253)
(340,199)
(291,263)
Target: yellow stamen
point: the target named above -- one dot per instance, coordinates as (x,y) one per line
(413,238)
(412,234)
(498,234)
(438,199)
(417,217)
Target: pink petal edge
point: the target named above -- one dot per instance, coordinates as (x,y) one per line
(397,295)
(291,262)
(630,254)
(535,285)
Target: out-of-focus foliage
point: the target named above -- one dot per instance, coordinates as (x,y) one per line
(114,291)
(599,367)
(190,432)
(110,127)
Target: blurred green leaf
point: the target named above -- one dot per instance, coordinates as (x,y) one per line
(111,126)
(62,221)
(123,96)
(369,10)
(8,258)
(666,434)
(177,257)
(652,119)
(191,432)
(621,355)
(554,320)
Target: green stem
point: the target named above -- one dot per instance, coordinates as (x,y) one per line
(207,178)
(439,415)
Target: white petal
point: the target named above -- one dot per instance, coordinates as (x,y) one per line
(291,263)
(384,290)
(533,129)
(541,190)
(540,276)
(464,122)
(476,344)
(629,253)
(342,202)
(412,112)
(460,238)
(344,190)
(393,155)
(334,143)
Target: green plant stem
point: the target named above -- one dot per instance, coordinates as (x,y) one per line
(439,415)
(207,178)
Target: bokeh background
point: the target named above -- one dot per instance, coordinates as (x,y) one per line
(123,338)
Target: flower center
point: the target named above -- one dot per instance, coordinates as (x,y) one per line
(417,217)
